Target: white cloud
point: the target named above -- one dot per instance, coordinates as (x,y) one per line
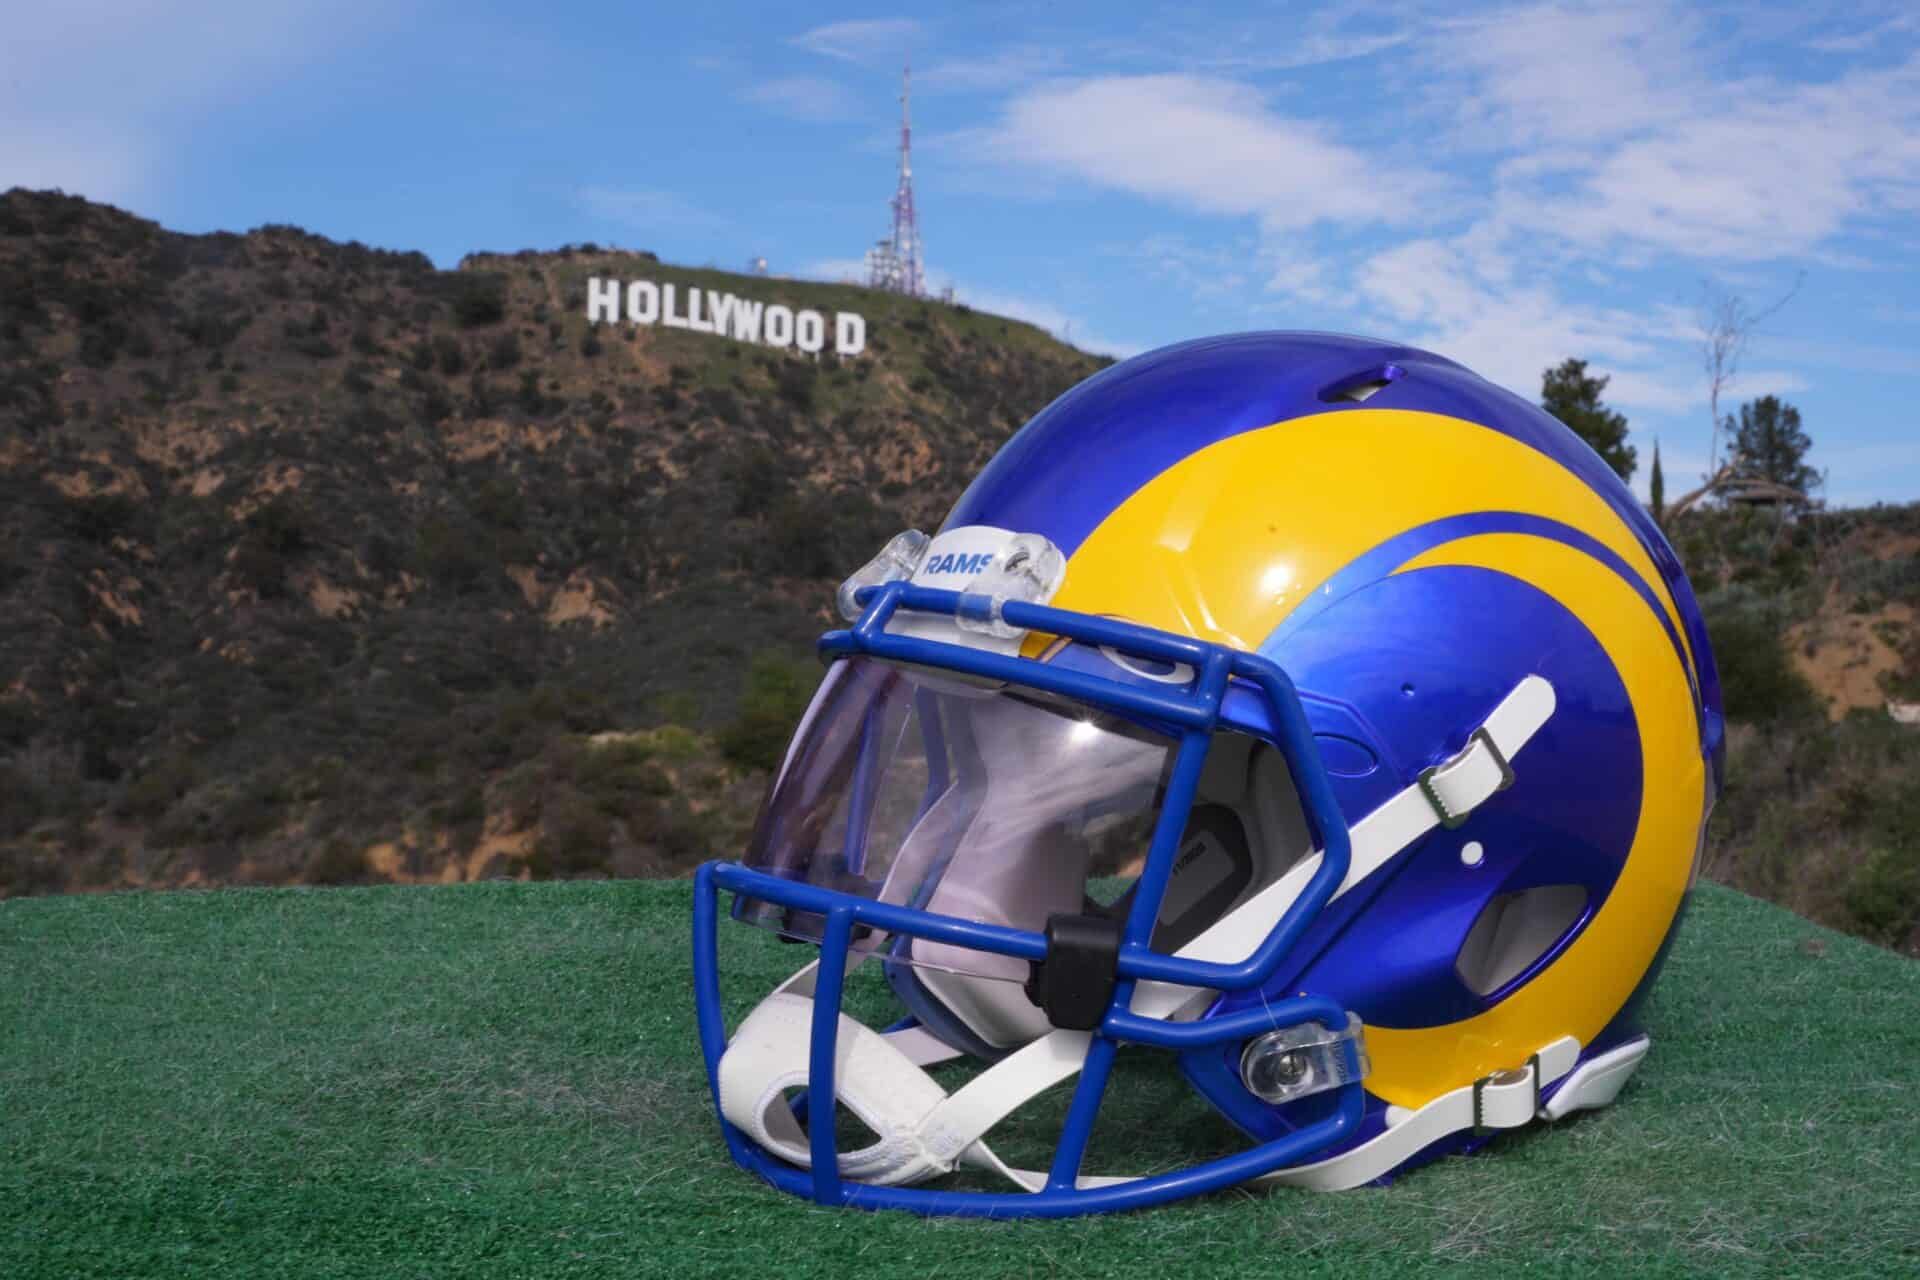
(1774,182)
(1547,74)
(810,98)
(1858,357)
(1296,37)
(1749,383)
(127,49)
(1297,275)
(836,271)
(1006,69)
(1615,134)
(81,157)
(1464,299)
(867,41)
(1610,142)
(97,94)
(1613,147)
(1669,390)
(643,207)
(1205,144)
(1867,38)
(1046,315)
(1206,271)
(1312,50)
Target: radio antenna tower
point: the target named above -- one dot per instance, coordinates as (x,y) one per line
(894,264)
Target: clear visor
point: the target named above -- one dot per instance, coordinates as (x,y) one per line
(1001,806)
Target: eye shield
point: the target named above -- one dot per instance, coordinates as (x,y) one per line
(996,806)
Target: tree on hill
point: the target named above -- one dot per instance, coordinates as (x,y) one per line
(1727,326)
(1572,395)
(1657,488)
(1768,437)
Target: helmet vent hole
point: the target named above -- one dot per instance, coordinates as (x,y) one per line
(1358,388)
(1515,931)
(1406,690)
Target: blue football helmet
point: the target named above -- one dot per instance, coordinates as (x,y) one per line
(1305,707)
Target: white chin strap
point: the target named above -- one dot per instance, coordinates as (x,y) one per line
(923,1131)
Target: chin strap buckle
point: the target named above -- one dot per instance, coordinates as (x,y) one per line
(1074,984)
(1506,1099)
(1458,786)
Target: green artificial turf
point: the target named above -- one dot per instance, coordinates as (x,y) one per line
(502,1079)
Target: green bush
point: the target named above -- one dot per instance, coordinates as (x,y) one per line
(478,298)
(533,402)
(26,802)
(1758,680)
(436,404)
(101,518)
(574,833)
(314,348)
(160,787)
(1884,900)
(617,775)
(260,569)
(451,556)
(447,352)
(777,692)
(800,538)
(795,384)
(760,480)
(505,351)
(26,869)
(1824,818)
(339,861)
(675,744)
(675,706)
(19,719)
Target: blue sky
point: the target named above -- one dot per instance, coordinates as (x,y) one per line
(1507,185)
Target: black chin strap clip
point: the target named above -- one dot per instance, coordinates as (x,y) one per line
(1074,984)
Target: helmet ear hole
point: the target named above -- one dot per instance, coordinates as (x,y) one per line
(1514,931)
(1211,870)
(1245,830)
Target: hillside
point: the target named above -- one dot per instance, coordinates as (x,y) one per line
(1811,621)
(310,546)
(504,1080)
(325,566)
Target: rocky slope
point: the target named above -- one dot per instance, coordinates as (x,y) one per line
(310,546)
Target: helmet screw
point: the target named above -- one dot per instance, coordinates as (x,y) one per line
(1274,1070)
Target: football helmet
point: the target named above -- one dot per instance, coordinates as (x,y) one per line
(1304,708)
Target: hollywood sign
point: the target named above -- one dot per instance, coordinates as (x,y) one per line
(743,319)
